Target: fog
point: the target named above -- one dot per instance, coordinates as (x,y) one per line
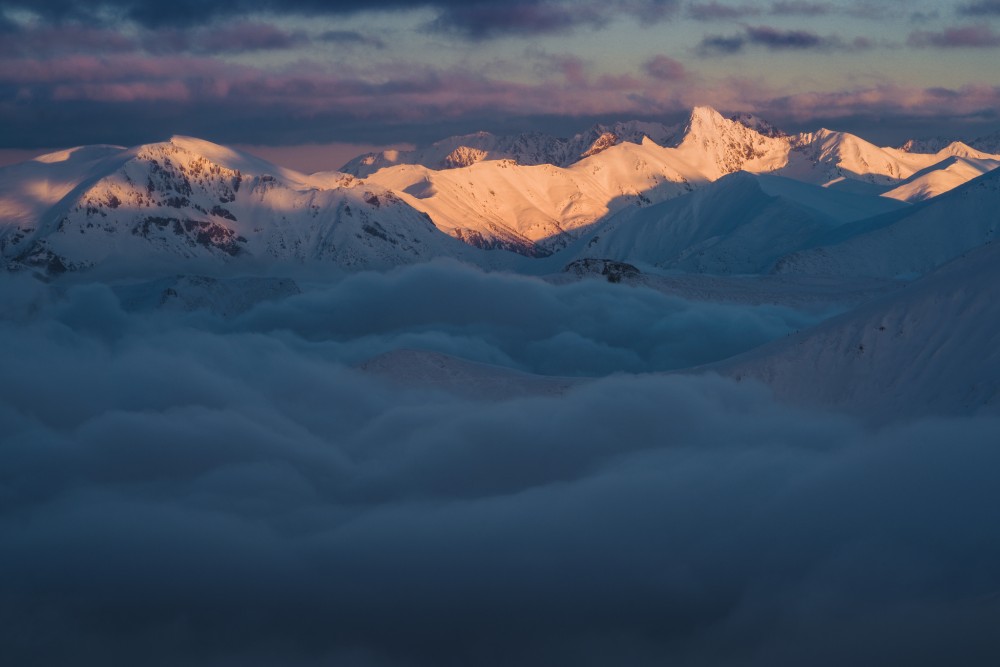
(183,488)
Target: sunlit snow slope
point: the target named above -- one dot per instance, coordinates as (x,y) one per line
(191,199)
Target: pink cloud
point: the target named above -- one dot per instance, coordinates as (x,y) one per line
(664,68)
(117,93)
(204,92)
(970,36)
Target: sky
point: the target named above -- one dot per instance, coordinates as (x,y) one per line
(352,75)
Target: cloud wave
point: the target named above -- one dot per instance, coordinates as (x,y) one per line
(178,489)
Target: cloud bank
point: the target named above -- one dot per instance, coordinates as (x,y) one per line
(775,39)
(183,489)
(472,18)
(304,72)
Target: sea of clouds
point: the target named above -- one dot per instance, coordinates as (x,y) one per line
(185,488)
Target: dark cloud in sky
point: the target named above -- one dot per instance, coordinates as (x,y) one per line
(721,44)
(154,13)
(776,39)
(185,490)
(48,41)
(473,18)
(484,20)
(69,82)
(801,8)
(714,11)
(126,101)
(972,37)
(241,37)
(664,68)
(980,8)
(721,11)
(53,40)
(350,38)
(479,20)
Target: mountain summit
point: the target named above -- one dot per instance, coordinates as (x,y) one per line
(531,194)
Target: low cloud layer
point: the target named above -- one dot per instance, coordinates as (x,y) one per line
(473,18)
(179,489)
(301,72)
(972,36)
(980,8)
(776,39)
(129,98)
(586,328)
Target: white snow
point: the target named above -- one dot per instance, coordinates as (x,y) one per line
(930,348)
(192,199)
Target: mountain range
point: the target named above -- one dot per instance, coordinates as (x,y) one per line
(714,195)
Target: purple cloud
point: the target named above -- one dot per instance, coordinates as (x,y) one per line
(248,37)
(775,39)
(31,40)
(243,37)
(42,41)
(972,36)
(721,44)
(475,19)
(717,11)
(481,19)
(800,8)
(664,68)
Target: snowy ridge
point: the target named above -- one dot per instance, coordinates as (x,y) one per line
(194,200)
(29,189)
(931,348)
(718,146)
(758,124)
(537,210)
(941,177)
(531,148)
(912,241)
(739,224)
(988,144)
(190,199)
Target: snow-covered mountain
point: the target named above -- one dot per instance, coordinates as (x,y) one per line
(188,199)
(538,209)
(911,241)
(760,125)
(928,145)
(741,223)
(932,347)
(842,160)
(941,177)
(989,143)
(29,189)
(531,148)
